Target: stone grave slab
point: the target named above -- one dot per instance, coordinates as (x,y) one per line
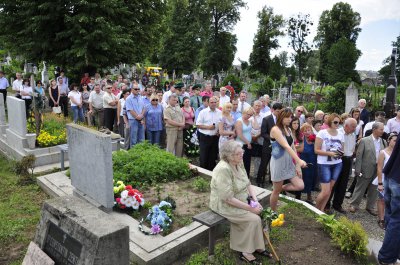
(36,256)
(74,232)
(16,115)
(90,160)
(3,122)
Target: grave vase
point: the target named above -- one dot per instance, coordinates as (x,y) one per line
(31,138)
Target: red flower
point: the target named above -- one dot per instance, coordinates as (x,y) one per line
(122,206)
(128,187)
(118,200)
(131,193)
(312,137)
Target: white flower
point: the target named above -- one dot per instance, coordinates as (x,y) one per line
(124,194)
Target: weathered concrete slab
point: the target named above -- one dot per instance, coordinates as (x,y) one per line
(36,256)
(16,115)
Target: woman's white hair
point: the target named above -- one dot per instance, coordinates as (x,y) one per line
(228,149)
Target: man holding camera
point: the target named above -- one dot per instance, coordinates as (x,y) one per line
(207,124)
(365,169)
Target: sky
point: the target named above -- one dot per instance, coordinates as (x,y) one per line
(380,24)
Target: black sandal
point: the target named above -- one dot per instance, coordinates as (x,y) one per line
(265,253)
(244,258)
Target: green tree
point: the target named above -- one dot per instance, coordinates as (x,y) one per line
(386,70)
(339,22)
(312,64)
(342,59)
(276,69)
(80,34)
(265,40)
(220,45)
(182,43)
(298,31)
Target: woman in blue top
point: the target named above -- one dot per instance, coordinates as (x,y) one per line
(154,120)
(39,95)
(243,131)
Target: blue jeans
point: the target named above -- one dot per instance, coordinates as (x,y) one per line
(77,113)
(390,250)
(153,136)
(137,131)
(327,173)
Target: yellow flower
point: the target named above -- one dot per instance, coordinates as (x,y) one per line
(281,217)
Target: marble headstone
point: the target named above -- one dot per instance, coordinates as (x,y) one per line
(36,256)
(90,161)
(16,115)
(351,98)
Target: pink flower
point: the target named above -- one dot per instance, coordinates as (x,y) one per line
(118,200)
(253,204)
(155,229)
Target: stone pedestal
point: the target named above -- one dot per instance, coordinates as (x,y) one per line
(72,231)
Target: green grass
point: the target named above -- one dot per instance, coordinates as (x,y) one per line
(19,211)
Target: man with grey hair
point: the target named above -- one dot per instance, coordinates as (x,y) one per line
(174,124)
(365,169)
(266,110)
(223,98)
(364,113)
(339,190)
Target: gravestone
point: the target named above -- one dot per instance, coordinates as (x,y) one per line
(3,121)
(71,231)
(90,161)
(16,115)
(351,97)
(36,256)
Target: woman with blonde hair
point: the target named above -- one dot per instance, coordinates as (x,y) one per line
(319,115)
(243,131)
(226,125)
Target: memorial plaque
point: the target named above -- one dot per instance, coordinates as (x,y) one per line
(61,247)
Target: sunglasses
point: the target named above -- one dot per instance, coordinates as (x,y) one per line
(300,111)
(336,122)
(154,99)
(136,89)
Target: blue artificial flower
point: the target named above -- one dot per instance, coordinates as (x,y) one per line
(160,220)
(155,209)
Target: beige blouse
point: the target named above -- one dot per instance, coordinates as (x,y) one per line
(228,183)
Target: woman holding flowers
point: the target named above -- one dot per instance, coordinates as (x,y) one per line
(307,154)
(230,188)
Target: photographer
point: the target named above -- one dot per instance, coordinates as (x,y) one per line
(328,146)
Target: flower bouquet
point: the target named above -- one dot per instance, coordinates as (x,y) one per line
(160,217)
(311,138)
(127,197)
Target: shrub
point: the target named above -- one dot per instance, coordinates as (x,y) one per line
(147,163)
(53,130)
(348,235)
(234,81)
(200,184)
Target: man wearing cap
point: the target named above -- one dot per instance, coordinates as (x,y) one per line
(207,124)
(393,124)
(174,124)
(135,111)
(195,100)
(223,98)
(3,86)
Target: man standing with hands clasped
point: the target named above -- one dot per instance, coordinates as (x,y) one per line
(366,169)
(135,111)
(207,124)
(174,124)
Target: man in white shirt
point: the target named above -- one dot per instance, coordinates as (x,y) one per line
(207,124)
(242,104)
(96,110)
(266,110)
(223,98)
(393,124)
(339,190)
(17,85)
(380,117)
(3,86)
(166,95)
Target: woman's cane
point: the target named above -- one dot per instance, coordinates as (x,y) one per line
(266,235)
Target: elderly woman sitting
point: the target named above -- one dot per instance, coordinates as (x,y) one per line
(230,188)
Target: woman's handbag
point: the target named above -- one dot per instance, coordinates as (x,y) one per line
(57,110)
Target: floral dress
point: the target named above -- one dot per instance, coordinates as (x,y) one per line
(228,126)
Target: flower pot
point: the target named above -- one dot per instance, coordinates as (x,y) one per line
(31,139)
